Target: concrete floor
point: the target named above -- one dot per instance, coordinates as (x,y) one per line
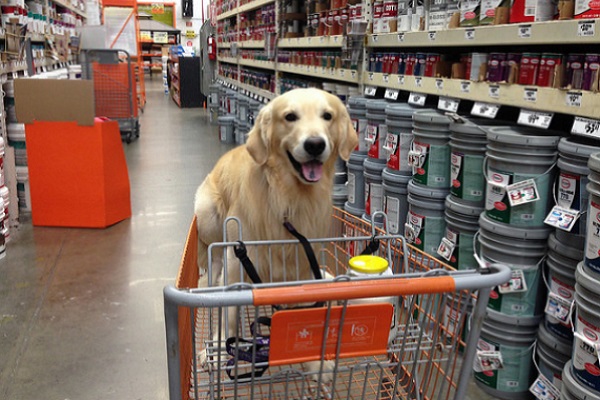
(81,310)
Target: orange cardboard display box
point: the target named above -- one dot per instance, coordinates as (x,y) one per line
(77,169)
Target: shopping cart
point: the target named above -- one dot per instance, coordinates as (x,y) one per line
(115,92)
(334,350)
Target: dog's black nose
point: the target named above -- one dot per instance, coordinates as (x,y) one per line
(314,146)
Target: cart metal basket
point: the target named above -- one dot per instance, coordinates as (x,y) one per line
(114,88)
(418,347)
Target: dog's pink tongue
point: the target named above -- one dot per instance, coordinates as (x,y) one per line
(312,171)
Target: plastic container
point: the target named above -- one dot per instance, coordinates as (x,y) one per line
(395,193)
(462,223)
(519,155)
(571,389)
(551,355)
(425,224)
(227,129)
(514,339)
(430,151)
(373,189)
(356,183)
(399,137)
(376,132)
(357,109)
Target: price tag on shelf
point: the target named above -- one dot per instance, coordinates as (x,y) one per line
(586,28)
(374,37)
(391,94)
(342,73)
(386,78)
(530,94)
(401,80)
(370,76)
(401,37)
(586,127)
(524,31)
(485,110)
(309,39)
(470,34)
(417,99)
(353,73)
(494,91)
(370,90)
(465,86)
(15,74)
(535,118)
(418,81)
(335,39)
(439,84)
(432,35)
(448,104)
(321,39)
(573,99)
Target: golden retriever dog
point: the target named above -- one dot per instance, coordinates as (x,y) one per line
(283,173)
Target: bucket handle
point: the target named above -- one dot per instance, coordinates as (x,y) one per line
(482,263)
(485,167)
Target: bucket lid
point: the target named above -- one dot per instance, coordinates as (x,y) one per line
(357,212)
(431,117)
(594,162)
(512,320)
(520,136)
(564,347)
(513,231)
(564,249)
(395,177)
(401,110)
(377,105)
(426,191)
(473,126)
(574,387)
(578,147)
(452,203)
(357,101)
(374,165)
(586,280)
(227,119)
(358,157)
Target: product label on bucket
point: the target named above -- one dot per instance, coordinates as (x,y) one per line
(592,243)
(559,308)
(375,138)
(562,218)
(360,126)
(514,374)
(398,147)
(351,185)
(511,299)
(527,214)
(543,389)
(430,164)
(516,284)
(373,198)
(392,210)
(425,233)
(460,248)
(572,194)
(586,365)
(522,192)
(446,248)
(467,180)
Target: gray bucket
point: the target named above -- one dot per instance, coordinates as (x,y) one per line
(243,107)
(376,133)
(373,189)
(462,223)
(425,225)
(512,248)
(514,339)
(339,195)
(357,109)
(551,355)
(571,184)
(231,106)
(561,281)
(213,97)
(227,129)
(571,389)
(356,182)
(253,109)
(586,366)
(395,200)
(522,157)
(592,242)
(399,137)
(430,150)
(456,315)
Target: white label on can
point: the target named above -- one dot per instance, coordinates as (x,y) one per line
(414,224)
(559,308)
(371,133)
(586,364)
(455,166)
(351,187)
(592,245)
(446,248)
(522,192)
(496,189)
(488,361)
(391,144)
(392,210)
(417,156)
(543,389)
(376,197)
(562,218)
(223,132)
(516,284)
(567,185)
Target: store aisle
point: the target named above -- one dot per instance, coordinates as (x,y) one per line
(81,309)
(81,313)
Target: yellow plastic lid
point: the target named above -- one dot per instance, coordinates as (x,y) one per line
(368,264)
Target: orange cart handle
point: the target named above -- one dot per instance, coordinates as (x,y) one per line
(315,292)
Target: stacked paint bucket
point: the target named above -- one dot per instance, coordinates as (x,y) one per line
(213,102)
(355,205)
(465,202)
(581,376)
(374,164)
(429,158)
(519,168)
(397,172)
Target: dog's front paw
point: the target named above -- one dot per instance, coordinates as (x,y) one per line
(313,369)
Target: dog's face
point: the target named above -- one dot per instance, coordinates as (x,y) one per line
(303,130)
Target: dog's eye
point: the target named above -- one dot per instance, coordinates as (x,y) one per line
(291,117)
(327,116)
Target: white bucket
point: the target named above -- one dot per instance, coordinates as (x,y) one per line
(517,155)
(376,133)
(586,365)
(399,137)
(571,389)
(395,200)
(551,355)
(425,224)
(227,129)
(430,150)
(16,139)
(514,339)
(373,189)
(23,189)
(462,224)
(357,109)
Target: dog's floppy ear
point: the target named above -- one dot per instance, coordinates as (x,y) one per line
(258,138)
(347,137)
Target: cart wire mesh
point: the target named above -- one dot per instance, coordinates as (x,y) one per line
(428,353)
